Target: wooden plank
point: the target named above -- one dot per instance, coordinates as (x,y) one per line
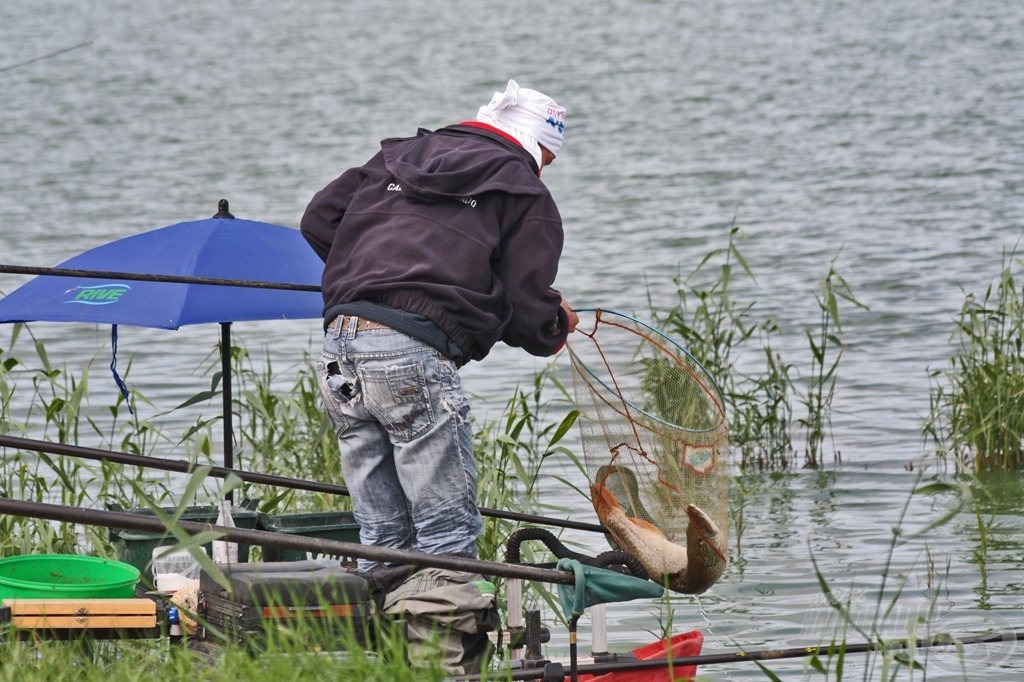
(80,607)
(52,622)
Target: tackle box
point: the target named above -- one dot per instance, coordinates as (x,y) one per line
(330,604)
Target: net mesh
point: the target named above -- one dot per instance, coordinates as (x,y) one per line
(653,425)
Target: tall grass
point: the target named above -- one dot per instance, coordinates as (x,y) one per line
(717,329)
(283,430)
(977,405)
(280,428)
(892,652)
(826,346)
(510,453)
(57,406)
(300,649)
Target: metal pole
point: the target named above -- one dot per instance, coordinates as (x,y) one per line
(598,630)
(110,519)
(759,655)
(146,277)
(184,467)
(514,617)
(225,374)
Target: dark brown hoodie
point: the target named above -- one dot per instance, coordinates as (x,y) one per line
(453,225)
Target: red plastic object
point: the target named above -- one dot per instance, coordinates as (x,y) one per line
(685,644)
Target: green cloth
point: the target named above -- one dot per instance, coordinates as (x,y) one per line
(600,586)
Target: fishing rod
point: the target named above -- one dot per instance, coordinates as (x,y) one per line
(553,671)
(221,472)
(186,467)
(138,522)
(48,55)
(263,538)
(146,277)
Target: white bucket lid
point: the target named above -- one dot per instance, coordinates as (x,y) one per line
(164,552)
(171,582)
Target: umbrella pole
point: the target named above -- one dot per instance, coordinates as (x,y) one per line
(225,371)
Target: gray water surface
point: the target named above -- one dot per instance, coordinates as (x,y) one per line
(884,135)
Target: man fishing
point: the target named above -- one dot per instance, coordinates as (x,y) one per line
(437,248)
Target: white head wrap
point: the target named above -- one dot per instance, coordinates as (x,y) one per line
(531,117)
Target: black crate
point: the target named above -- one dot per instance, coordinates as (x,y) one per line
(136,547)
(338,525)
(332,604)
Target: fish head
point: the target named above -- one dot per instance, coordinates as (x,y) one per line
(707,553)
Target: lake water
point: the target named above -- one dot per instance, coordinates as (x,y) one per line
(884,135)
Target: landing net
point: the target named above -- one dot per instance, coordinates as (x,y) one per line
(652,421)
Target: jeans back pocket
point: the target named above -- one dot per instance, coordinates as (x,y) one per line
(399,397)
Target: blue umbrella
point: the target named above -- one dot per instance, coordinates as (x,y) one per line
(218,248)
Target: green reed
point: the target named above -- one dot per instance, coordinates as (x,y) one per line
(298,649)
(511,452)
(977,405)
(56,404)
(509,455)
(717,329)
(827,347)
(762,421)
(890,653)
(713,326)
(282,429)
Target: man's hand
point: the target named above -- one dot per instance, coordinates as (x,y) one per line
(573,318)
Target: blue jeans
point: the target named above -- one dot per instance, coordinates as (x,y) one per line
(402,422)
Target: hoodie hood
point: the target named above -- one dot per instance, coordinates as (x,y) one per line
(459,162)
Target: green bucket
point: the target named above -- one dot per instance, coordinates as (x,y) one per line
(66,576)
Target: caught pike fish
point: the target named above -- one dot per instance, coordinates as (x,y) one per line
(691,569)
